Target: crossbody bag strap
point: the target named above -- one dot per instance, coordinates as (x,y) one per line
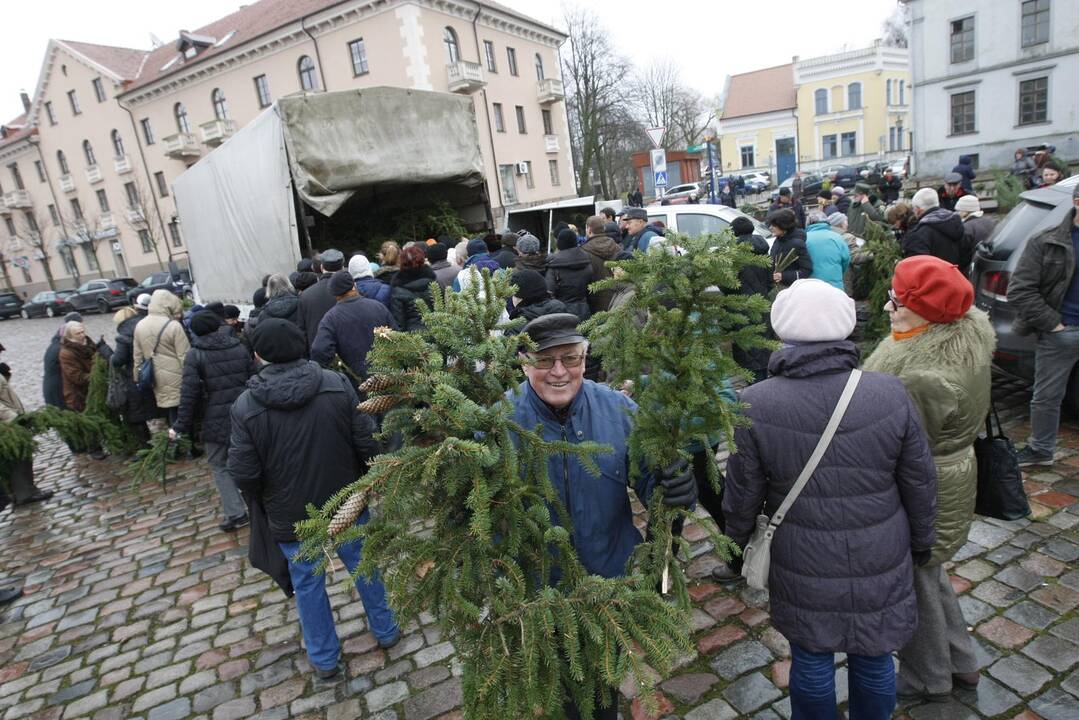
(822,446)
(159,334)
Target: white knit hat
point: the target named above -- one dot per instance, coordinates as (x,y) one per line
(813,311)
(359,267)
(969,205)
(926,199)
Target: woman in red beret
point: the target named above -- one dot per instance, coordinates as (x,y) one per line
(941,348)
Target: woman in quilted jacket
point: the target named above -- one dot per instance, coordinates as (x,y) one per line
(941,349)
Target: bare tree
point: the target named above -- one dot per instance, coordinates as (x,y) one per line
(4,260)
(692,116)
(664,101)
(28,229)
(895,30)
(590,68)
(142,217)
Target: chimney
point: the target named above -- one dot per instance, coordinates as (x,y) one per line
(25,101)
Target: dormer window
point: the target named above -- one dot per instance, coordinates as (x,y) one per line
(189,45)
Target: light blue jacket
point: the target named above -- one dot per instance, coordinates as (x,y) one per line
(603,531)
(829,253)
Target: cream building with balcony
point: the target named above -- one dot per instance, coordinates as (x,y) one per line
(109,129)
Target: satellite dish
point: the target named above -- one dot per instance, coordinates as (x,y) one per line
(155,41)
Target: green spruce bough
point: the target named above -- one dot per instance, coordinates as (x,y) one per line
(466,525)
(880,242)
(671,339)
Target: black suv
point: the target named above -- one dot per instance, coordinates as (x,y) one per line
(10,305)
(180,286)
(101,295)
(994,263)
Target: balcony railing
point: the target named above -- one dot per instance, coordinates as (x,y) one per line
(17,199)
(182,145)
(79,225)
(550,90)
(4,209)
(122,165)
(465,76)
(93,174)
(135,216)
(216,132)
(107,221)
(67,183)
(550,143)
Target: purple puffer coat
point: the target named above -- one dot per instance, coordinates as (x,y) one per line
(841,575)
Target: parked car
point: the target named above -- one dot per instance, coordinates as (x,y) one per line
(180,287)
(811,185)
(847,176)
(758,181)
(10,305)
(683,191)
(102,295)
(697,220)
(48,304)
(995,261)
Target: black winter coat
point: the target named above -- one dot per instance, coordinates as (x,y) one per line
(537,262)
(842,204)
(315,302)
(283,307)
(348,330)
(141,406)
(568,274)
(754,279)
(939,233)
(216,369)
(889,189)
(408,287)
(52,382)
(802,267)
(533,310)
(297,438)
(841,575)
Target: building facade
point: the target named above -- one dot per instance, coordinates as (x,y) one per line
(112,127)
(991,76)
(758,129)
(853,106)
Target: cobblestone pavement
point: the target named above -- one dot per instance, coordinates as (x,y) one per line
(137,606)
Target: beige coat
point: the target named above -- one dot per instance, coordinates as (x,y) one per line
(169,358)
(10,405)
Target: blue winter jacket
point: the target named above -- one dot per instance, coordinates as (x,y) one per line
(829,253)
(603,531)
(480,261)
(373,289)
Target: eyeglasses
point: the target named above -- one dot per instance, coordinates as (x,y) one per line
(893,299)
(546,362)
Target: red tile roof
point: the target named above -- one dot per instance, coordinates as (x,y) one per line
(15,130)
(124,62)
(761,91)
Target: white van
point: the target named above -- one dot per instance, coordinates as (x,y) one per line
(697,220)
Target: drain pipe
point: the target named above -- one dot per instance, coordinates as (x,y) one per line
(318,55)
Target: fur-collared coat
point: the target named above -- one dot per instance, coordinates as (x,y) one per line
(946,370)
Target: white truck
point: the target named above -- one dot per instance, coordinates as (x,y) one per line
(313,170)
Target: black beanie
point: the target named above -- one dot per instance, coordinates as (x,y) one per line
(304,265)
(530,285)
(217,308)
(205,322)
(232,312)
(304,280)
(437,252)
(742,226)
(259,298)
(566,239)
(279,341)
(340,283)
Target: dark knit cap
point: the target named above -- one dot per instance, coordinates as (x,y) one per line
(509,239)
(278,341)
(566,239)
(205,322)
(530,285)
(73,317)
(232,312)
(476,246)
(611,230)
(304,265)
(217,308)
(742,226)
(437,252)
(259,298)
(304,280)
(340,283)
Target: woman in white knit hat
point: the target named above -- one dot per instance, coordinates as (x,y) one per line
(976,226)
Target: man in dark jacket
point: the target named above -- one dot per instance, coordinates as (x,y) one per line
(841,199)
(949,193)
(937,232)
(788,248)
(965,168)
(530,254)
(317,300)
(638,232)
(140,406)
(507,254)
(445,271)
(862,210)
(890,187)
(753,280)
(532,300)
(1044,291)
(216,369)
(569,272)
(600,247)
(786,200)
(348,329)
(298,439)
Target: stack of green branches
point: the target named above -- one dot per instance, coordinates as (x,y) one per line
(881,244)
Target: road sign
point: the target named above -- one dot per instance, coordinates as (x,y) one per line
(659,160)
(660,178)
(656,135)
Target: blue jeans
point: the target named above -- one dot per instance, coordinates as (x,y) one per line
(313,604)
(871,679)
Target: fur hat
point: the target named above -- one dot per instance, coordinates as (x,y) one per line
(813,311)
(934,288)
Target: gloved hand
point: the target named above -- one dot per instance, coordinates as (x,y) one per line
(920,557)
(679,485)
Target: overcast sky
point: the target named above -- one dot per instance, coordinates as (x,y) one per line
(708,41)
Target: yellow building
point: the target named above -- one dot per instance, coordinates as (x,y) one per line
(812,114)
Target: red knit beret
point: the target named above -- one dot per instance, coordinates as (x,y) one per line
(933,288)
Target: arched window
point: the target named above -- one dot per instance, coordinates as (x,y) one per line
(854,96)
(306,68)
(539,67)
(88,151)
(221,112)
(117,143)
(449,38)
(61,159)
(820,101)
(181,118)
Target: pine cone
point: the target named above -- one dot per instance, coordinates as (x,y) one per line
(377,405)
(346,515)
(376,383)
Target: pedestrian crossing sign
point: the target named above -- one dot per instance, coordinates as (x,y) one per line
(660,178)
